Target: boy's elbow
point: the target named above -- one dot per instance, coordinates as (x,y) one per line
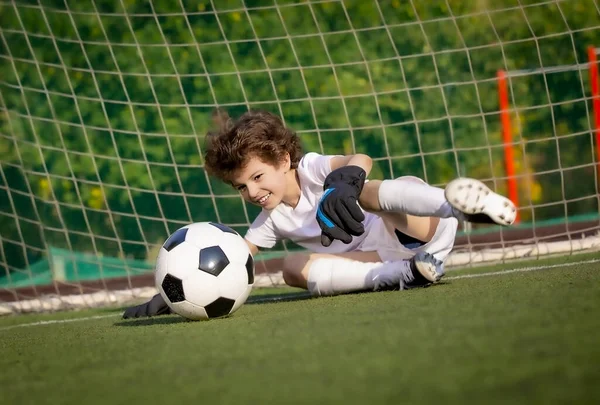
(367,162)
(252,247)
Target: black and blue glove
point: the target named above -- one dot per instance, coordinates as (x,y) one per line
(338,213)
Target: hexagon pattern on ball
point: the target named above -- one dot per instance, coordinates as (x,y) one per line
(228,282)
(204,236)
(202,288)
(234,247)
(178,260)
(204,270)
(190,311)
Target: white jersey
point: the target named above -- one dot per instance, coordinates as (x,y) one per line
(300,226)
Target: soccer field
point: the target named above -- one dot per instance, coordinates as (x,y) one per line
(518,333)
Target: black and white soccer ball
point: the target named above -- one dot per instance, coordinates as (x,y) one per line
(204,270)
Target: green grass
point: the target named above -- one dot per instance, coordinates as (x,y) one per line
(520,337)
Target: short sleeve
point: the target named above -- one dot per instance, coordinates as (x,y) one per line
(262,232)
(315,166)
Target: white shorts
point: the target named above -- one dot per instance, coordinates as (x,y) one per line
(389,248)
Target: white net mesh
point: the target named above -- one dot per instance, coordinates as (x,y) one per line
(104,106)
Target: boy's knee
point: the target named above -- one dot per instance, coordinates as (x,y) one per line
(290,277)
(369,197)
(292,270)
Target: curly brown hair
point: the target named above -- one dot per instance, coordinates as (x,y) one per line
(256,134)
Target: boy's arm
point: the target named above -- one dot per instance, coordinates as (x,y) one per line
(156,306)
(338,213)
(253,248)
(363,161)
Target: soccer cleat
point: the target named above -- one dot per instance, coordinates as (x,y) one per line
(478,203)
(423,270)
(419,271)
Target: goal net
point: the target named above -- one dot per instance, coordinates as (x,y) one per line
(104,106)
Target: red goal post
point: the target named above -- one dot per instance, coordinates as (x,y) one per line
(504,105)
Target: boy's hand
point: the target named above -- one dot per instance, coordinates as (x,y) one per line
(338,213)
(156,306)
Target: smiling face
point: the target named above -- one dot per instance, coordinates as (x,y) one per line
(262,183)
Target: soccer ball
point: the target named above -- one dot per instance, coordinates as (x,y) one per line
(204,270)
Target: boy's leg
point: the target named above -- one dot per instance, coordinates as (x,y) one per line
(332,274)
(464,199)
(421,228)
(296,266)
(439,245)
(408,195)
(156,306)
(435,235)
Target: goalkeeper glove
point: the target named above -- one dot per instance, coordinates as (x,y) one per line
(338,212)
(156,306)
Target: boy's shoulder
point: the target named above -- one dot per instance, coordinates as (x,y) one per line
(315,165)
(313,158)
(310,156)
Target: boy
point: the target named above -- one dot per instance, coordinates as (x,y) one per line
(361,235)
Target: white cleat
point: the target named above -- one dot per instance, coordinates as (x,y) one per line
(425,270)
(478,203)
(422,270)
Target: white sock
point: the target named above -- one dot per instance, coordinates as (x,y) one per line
(338,276)
(415,198)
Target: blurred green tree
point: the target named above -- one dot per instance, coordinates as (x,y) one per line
(105,104)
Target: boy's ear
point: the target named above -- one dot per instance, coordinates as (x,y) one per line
(287,162)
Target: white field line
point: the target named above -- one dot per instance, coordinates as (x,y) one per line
(87,318)
(495,273)
(522,270)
